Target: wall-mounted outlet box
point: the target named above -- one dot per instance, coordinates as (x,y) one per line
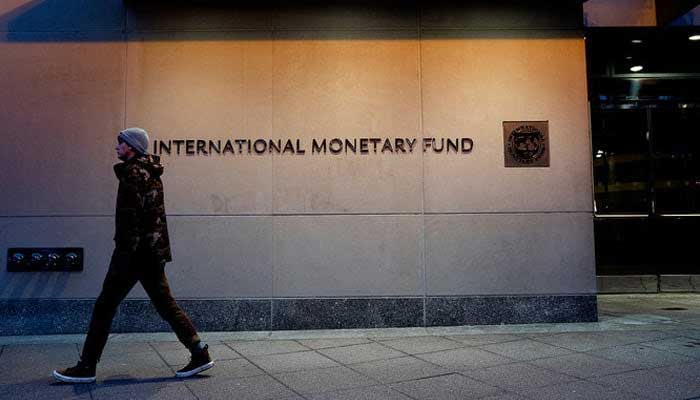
(35,259)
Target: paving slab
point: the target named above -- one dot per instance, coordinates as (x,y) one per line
(399,369)
(504,396)
(578,390)
(679,345)
(265,347)
(129,388)
(422,344)
(147,359)
(478,340)
(26,363)
(649,335)
(465,358)
(685,371)
(289,362)
(179,356)
(121,348)
(169,346)
(582,365)
(132,374)
(230,369)
(325,343)
(689,333)
(447,387)
(44,389)
(649,384)
(641,356)
(516,377)
(587,341)
(537,335)
(260,387)
(324,380)
(361,353)
(523,350)
(372,333)
(41,353)
(364,393)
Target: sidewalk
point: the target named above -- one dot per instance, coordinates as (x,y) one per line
(644,347)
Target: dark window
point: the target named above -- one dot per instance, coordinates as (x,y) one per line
(676,147)
(620,162)
(646,149)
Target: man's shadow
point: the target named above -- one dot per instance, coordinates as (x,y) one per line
(123,380)
(127,380)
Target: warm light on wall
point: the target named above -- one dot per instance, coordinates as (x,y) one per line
(694,37)
(636,68)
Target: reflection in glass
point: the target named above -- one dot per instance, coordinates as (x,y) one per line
(676,160)
(620,161)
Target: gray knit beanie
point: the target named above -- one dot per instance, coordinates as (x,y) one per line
(137,138)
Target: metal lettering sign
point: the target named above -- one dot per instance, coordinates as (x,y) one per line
(526,143)
(333,146)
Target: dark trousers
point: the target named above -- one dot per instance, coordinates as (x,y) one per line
(125,270)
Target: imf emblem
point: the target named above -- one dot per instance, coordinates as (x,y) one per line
(526,143)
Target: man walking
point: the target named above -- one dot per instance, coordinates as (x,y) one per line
(142,248)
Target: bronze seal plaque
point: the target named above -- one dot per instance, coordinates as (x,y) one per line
(526,143)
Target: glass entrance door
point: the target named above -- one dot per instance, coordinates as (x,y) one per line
(646,161)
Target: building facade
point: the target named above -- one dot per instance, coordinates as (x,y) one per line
(440,232)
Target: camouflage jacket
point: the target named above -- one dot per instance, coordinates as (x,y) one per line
(140,215)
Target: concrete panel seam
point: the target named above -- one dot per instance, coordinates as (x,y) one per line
(126,76)
(273,244)
(267,29)
(86,30)
(318,213)
(472,295)
(363,214)
(58,216)
(422,158)
(543,31)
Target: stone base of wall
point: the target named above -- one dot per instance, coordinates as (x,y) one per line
(63,316)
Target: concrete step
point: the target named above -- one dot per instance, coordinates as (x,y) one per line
(648,283)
